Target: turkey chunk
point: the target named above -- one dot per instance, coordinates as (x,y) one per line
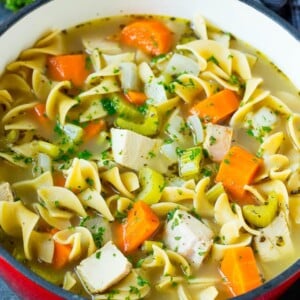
(188,236)
(274,242)
(103,269)
(217,141)
(5,192)
(134,151)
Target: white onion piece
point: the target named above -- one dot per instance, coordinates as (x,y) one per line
(129,76)
(169,150)
(179,64)
(196,127)
(44,163)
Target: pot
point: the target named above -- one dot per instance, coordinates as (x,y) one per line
(247,20)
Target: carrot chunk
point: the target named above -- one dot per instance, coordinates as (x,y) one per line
(68,67)
(238,168)
(217,107)
(93,128)
(134,97)
(39,114)
(39,111)
(240,269)
(61,253)
(141,223)
(150,36)
(59,179)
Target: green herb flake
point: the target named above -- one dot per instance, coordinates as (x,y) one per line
(90,181)
(170,214)
(226,161)
(85,154)
(98,237)
(142,281)
(84,220)
(212,140)
(98,254)
(213,60)
(109,106)
(143,108)
(88,63)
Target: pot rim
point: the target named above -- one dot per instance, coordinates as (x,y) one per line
(289,273)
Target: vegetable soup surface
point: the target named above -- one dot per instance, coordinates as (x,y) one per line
(149,157)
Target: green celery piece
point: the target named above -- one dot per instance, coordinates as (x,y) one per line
(214,192)
(149,127)
(12,136)
(126,110)
(262,215)
(189,161)
(152,184)
(50,149)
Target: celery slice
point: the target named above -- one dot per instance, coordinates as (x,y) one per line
(149,127)
(50,149)
(189,161)
(127,111)
(214,192)
(12,136)
(152,184)
(262,215)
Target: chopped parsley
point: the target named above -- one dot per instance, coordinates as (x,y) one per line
(98,254)
(141,281)
(212,140)
(85,154)
(99,236)
(213,60)
(109,106)
(143,108)
(84,220)
(170,214)
(89,181)
(134,290)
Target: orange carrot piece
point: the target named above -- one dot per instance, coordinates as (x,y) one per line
(217,107)
(152,37)
(238,168)
(59,179)
(68,67)
(118,235)
(61,253)
(240,269)
(135,97)
(39,114)
(40,111)
(141,223)
(93,128)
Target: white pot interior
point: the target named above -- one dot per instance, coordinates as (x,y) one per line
(243,21)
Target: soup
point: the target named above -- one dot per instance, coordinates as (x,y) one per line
(149,157)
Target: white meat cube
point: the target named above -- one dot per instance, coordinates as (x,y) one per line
(134,151)
(5,192)
(217,141)
(188,236)
(103,269)
(274,242)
